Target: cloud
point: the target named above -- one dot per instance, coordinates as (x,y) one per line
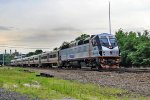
(66,29)
(35,38)
(5,28)
(47,23)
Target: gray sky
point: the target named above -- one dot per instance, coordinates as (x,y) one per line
(46,24)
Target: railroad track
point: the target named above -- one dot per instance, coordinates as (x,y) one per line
(132,70)
(120,70)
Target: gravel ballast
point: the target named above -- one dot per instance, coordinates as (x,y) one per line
(133,82)
(9,95)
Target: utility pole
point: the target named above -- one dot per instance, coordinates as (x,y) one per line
(109,19)
(3,59)
(10,51)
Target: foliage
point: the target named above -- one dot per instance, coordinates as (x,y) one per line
(80,39)
(134,47)
(16,79)
(7,59)
(64,45)
(38,52)
(30,54)
(55,48)
(34,53)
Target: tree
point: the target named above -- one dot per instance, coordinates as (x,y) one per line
(30,54)
(34,53)
(7,59)
(55,48)
(135,48)
(38,52)
(82,37)
(64,45)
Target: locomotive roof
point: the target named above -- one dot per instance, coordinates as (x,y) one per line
(106,35)
(103,35)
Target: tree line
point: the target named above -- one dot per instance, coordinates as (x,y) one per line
(36,52)
(80,38)
(134,47)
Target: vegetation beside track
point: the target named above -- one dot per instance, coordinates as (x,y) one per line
(26,82)
(135,48)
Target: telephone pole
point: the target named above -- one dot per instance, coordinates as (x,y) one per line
(109,19)
(3,59)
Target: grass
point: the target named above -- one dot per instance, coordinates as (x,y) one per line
(16,79)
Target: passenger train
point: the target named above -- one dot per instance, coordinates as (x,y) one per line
(99,51)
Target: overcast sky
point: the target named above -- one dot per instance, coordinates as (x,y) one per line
(29,24)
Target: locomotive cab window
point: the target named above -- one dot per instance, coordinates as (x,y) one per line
(94,43)
(113,41)
(104,42)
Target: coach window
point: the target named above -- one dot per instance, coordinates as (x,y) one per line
(36,58)
(44,57)
(54,55)
(50,56)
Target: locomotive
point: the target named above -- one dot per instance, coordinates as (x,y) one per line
(98,51)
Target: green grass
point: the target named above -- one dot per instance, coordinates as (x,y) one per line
(16,79)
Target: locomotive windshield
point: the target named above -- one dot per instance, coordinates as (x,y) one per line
(108,42)
(113,41)
(104,42)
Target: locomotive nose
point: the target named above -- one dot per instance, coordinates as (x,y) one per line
(109,62)
(110,47)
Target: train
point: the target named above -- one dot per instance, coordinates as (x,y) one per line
(99,51)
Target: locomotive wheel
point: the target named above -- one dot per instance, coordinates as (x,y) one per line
(99,68)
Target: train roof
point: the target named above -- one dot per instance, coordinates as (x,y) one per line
(106,35)
(103,35)
(54,51)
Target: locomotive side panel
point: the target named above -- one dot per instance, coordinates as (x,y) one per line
(75,53)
